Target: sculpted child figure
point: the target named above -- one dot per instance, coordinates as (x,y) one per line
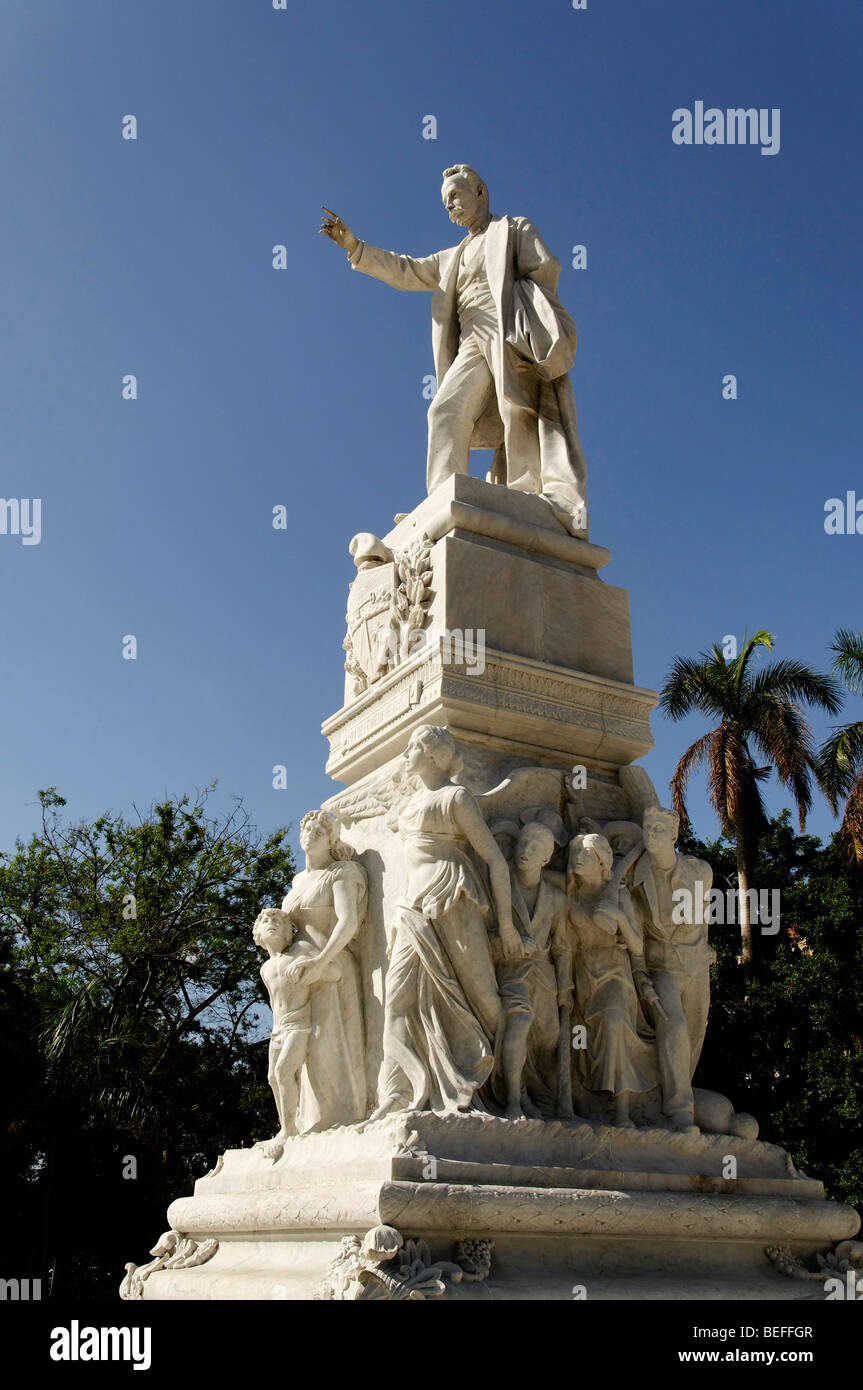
(292,1017)
(535,986)
(616,1060)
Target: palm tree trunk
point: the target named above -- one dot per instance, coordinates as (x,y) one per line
(743,865)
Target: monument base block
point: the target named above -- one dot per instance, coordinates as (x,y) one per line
(559,1210)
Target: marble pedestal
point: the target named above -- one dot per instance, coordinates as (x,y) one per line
(545,714)
(556,684)
(573,1210)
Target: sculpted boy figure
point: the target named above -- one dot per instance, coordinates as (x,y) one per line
(292,1018)
(503,346)
(676,960)
(535,986)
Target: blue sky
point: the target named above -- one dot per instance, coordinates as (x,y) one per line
(304,387)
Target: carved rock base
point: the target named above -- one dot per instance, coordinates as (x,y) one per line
(571,1210)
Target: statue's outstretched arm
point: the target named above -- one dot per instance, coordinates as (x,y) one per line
(402,272)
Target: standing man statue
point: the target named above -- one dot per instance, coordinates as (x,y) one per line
(677,958)
(535,986)
(503,347)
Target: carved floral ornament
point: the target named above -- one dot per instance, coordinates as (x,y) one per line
(382,1265)
(387,607)
(171,1251)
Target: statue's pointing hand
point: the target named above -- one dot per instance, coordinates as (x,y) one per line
(338,231)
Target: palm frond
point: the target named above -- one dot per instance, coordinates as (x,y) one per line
(761,639)
(794,680)
(840,759)
(848,647)
(697,683)
(691,759)
(59,1033)
(783,735)
(734,787)
(722,780)
(851,829)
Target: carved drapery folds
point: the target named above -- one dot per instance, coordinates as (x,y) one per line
(317,1069)
(538,963)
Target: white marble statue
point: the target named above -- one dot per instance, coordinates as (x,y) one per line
(503,347)
(499,944)
(443,1010)
(290,1001)
(534,987)
(617,1059)
(317,1050)
(675,970)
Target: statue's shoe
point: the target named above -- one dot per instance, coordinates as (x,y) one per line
(575,522)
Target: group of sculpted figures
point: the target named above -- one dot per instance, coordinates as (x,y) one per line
(529,973)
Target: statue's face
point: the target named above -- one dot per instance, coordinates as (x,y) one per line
(584,860)
(313,837)
(659,834)
(461,200)
(271,931)
(531,853)
(417,755)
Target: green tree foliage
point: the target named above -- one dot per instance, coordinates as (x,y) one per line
(129,994)
(754,714)
(840,762)
(786,1041)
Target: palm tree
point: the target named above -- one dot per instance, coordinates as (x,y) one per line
(840,762)
(763,710)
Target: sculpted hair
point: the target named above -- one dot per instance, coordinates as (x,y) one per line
(663,816)
(440,746)
(467,172)
(272,914)
(535,827)
(331,824)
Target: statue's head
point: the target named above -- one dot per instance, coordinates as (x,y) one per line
(272,928)
(506,833)
(320,839)
(436,745)
(534,849)
(660,828)
(591,858)
(463,193)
